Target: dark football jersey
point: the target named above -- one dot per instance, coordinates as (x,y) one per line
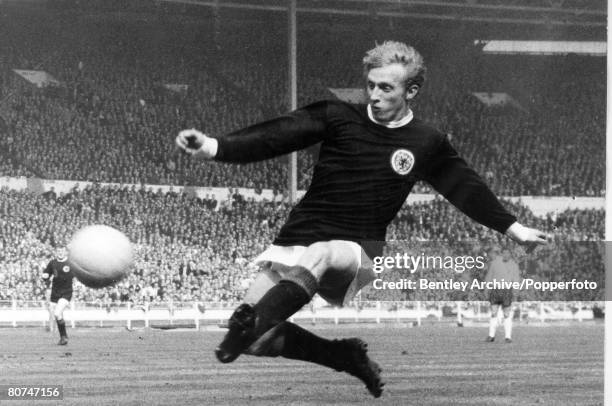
(364,173)
(62,276)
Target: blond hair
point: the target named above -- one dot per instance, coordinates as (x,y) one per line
(390,52)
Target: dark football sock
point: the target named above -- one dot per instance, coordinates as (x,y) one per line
(61,326)
(300,344)
(248,323)
(284,299)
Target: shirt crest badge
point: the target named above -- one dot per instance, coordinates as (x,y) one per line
(402,161)
(66,268)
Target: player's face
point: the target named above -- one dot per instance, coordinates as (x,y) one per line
(387,94)
(61,254)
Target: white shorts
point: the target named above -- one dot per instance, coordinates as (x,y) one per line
(337,288)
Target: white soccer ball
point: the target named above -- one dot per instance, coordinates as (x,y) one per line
(100,255)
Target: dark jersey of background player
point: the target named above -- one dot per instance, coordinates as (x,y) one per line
(61,284)
(364,173)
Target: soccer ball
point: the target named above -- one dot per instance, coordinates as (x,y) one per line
(100,255)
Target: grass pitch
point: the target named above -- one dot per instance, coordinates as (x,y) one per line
(429,365)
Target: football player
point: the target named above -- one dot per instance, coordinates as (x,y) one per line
(371,156)
(58,276)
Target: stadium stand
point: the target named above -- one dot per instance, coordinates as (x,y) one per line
(113,119)
(188,249)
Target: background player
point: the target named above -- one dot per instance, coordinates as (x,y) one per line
(59,276)
(370,158)
(503,267)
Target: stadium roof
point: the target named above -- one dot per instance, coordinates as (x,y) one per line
(585,13)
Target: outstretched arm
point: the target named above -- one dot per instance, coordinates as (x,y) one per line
(288,133)
(450,175)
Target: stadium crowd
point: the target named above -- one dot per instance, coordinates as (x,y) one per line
(192,249)
(114,114)
(128,83)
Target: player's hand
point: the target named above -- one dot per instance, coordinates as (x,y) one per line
(528,237)
(197,144)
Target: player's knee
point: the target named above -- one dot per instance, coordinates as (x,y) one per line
(58,314)
(265,280)
(333,254)
(322,252)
